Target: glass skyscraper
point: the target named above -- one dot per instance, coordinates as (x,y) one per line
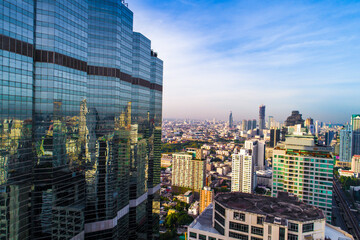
(80,122)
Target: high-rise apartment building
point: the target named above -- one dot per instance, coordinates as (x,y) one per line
(242,176)
(304,168)
(206,197)
(345,144)
(188,171)
(355,124)
(262,117)
(80,122)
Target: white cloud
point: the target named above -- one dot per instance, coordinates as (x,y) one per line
(256,58)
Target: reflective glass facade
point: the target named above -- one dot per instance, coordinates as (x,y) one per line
(80,122)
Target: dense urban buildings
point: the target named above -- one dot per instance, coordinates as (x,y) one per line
(304,168)
(80,123)
(253,217)
(346,144)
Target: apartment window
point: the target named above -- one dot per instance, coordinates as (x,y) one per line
(202,237)
(220,209)
(219,219)
(255,238)
(219,228)
(212,238)
(260,220)
(293,227)
(193,235)
(269,229)
(308,227)
(239,227)
(292,237)
(257,231)
(239,216)
(282,234)
(238,236)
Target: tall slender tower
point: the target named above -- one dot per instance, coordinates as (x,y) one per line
(231,121)
(262,117)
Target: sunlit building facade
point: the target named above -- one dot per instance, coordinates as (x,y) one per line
(80,122)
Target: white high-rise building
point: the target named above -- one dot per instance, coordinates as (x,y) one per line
(242,177)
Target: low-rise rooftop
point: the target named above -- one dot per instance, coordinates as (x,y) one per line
(284,206)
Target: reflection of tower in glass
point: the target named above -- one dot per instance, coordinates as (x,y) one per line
(73,120)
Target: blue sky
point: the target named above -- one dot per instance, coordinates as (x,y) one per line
(236,55)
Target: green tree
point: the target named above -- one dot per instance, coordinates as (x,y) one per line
(184,219)
(171,220)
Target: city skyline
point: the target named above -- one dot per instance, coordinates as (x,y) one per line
(288,56)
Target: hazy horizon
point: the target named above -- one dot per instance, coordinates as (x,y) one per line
(222,56)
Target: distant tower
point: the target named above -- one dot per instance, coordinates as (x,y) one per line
(254,123)
(262,117)
(250,126)
(231,123)
(271,122)
(244,125)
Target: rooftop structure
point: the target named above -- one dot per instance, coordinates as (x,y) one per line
(284,206)
(247,216)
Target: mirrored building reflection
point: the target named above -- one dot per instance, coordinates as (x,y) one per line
(80,122)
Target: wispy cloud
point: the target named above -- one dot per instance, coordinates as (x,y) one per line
(235,55)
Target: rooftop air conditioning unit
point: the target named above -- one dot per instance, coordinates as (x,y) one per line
(277,220)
